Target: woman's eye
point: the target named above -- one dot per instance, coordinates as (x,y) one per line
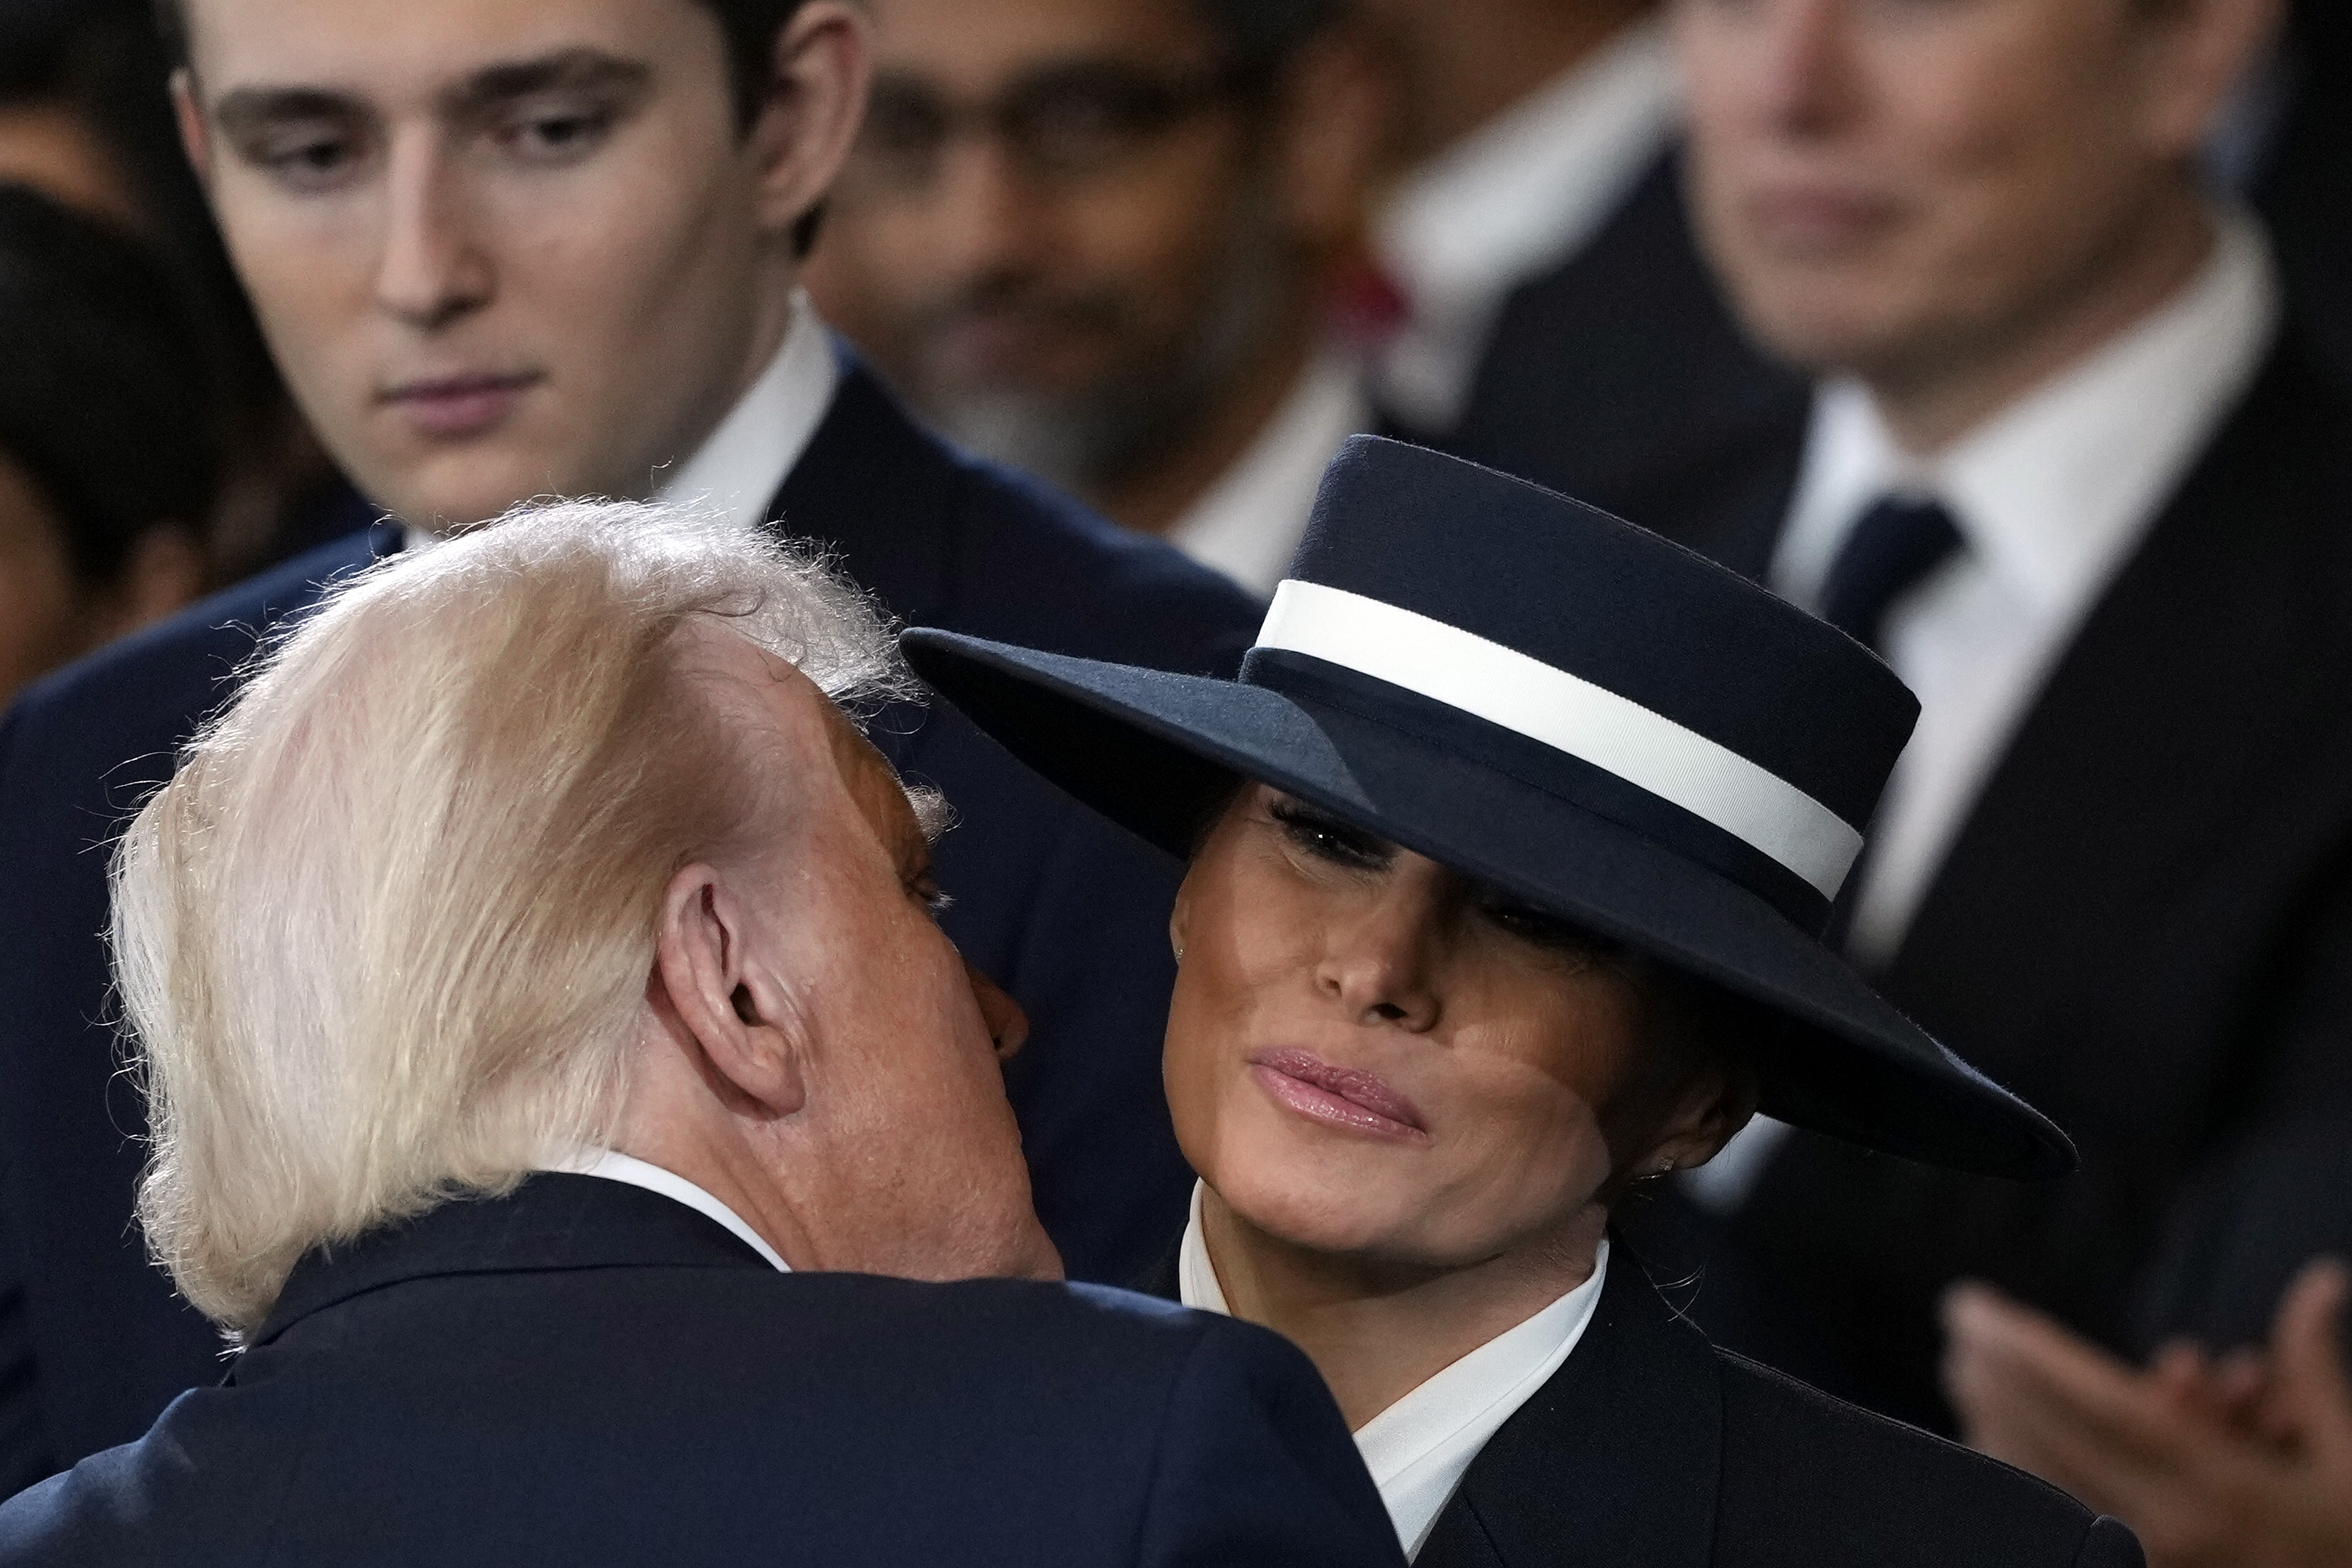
(1327,839)
(1547,932)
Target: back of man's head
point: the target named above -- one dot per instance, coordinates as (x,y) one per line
(386,936)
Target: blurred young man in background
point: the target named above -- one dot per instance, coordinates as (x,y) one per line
(1094,238)
(507,248)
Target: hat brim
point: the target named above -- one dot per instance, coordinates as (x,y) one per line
(1154,751)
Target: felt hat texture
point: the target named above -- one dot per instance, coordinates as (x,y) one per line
(1570,708)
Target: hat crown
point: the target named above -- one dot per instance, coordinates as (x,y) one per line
(1585,592)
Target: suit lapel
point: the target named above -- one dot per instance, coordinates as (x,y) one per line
(1616,1460)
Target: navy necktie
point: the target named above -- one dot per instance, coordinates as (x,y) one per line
(1891,549)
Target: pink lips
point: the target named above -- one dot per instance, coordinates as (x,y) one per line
(452,407)
(1336,1096)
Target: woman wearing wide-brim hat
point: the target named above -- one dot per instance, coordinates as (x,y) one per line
(1511,851)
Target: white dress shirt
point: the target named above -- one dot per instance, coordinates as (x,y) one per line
(2051,497)
(1418,1449)
(739,466)
(614,1166)
(1507,202)
(1247,525)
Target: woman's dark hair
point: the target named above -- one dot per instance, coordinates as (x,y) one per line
(106,399)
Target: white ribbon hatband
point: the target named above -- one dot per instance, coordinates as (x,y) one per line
(1571,714)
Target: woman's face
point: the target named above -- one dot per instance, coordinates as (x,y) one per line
(1370,1054)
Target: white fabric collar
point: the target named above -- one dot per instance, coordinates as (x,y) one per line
(1247,525)
(1418,1449)
(614,1166)
(2052,493)
(744,463)
(740,467)
(1507,201)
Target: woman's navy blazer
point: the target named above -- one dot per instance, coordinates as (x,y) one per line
(1651,1448)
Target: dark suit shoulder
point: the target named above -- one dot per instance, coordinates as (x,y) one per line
(170,673)
(1114,593)
(1823,1480)
(702,1411)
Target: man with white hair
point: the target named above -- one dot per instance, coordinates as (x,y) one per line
(536,984)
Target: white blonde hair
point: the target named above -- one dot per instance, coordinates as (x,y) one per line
(381,939)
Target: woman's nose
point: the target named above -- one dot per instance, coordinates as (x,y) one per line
(1380,968)
(1008,1025)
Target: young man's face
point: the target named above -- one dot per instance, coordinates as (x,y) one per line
(506,248)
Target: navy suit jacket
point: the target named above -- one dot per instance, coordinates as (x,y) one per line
(2145,928)
(586,1372)
(1620,378)
(1069,913)
(1652,1447)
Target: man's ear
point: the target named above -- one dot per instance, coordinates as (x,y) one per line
(196,136)
(2198,53)
(1335,106)
(750,1039)
(816,102)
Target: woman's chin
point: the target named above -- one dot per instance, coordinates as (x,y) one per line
(1314,1215)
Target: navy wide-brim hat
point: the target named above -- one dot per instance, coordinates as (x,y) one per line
(1561,705)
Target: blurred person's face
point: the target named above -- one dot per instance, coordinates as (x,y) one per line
(1370,1056)
(1063,232)
(510,248)
(54,150)
(48,613)
(901,1151)
(1889,187)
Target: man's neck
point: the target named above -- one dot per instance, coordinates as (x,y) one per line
(1155,499)
(1377,1331)
(1932,402)
(1467,63)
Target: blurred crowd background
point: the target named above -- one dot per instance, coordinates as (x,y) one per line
(1168,255)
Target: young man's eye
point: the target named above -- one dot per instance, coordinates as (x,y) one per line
(558,135)
(305,159)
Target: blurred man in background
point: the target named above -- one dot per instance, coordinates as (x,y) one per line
(1093,238)
(107,444)
(1556,321)
(2069,473)
(84,116)
(505,248)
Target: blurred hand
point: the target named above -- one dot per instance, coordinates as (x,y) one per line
(2244,1462)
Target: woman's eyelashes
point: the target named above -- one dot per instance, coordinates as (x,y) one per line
(1328,839)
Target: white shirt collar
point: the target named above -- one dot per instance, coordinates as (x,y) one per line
(739,469)
(1247,525)
(2052,492)
(1418,1449)
(614,1166)
(1509,200)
